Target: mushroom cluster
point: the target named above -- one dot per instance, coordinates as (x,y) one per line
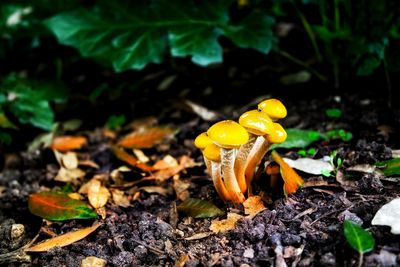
(233,150)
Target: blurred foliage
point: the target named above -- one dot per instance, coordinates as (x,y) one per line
(344,38)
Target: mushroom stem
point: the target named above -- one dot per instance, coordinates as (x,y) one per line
(227,167)
(241,162)
(218,182)
(207,162)
(257,153)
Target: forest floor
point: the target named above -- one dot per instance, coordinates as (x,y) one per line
(144,228)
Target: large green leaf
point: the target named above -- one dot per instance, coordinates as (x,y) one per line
(139,35)
(29,100)
(358,238)
(297,138)
(390,167)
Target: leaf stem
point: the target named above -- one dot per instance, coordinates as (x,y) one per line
(301,63)
(360,259)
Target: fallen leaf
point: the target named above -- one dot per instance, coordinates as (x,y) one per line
(364,168)
(292,181)
(67,143)
(181,262)
(390,167)
(2,191)
(92,261)
(146,138)
(63,240)
(253,205)
(198,236)
(97,194)
(119,198)
(181,188)
(130,159)
(68,160)
(89,163)
(311,166)
(203,112)
(165,174)
(388,215)
(198,208)
(226,224)
(141,156)
(69,175)
(167,162)
(59,207)
(155,189)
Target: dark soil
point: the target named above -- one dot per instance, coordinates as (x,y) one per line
(147,234)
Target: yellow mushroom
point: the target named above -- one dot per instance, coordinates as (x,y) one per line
(229,135)
(213,155)
(257,124)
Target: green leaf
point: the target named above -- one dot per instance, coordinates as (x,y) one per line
(333,113)
(29,100)
(391,167)
(340,134)
(5,138)
(115,121)
(6,123)
(358,238)
(198,208)
(58,206)
(139,35)
(255,31)
(297,138)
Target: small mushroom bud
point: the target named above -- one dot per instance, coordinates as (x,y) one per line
(201,142)
(229,135)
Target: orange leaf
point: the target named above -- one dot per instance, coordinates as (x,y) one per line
(253,205)
(146,138)
(67,143)
(292,181)
(63,240)
(131,160)
(225,225)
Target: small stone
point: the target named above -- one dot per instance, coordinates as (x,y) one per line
(248,253)
(17,231)
(92,261)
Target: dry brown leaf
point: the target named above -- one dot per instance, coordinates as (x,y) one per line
(69,175)
(141,156)
(167,162)
(165,174)
(92,261)
(68,160)
(119,198)
(76,196)
(98,195)
(2,190)
(253,205)
(145,138)
(155,189)
(225,225)
(102,212)
(89,163)
(181,262)
(67,143)
(198,236)
(181,188)
(131,160)
(63,240)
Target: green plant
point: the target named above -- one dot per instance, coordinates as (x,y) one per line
(358,238)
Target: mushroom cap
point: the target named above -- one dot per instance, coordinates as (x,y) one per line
(228,134)
(212,152)
(202,141)
(278,135)
(256,122)
(274,108)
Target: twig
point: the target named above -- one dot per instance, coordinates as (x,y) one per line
(153,249)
